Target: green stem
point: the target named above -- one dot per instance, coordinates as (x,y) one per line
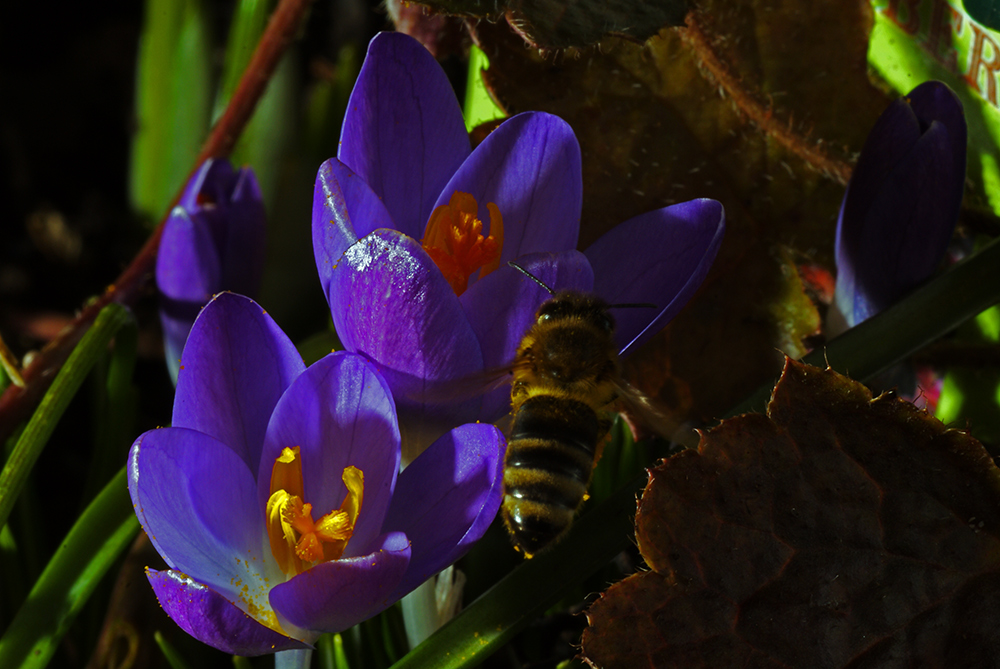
(170,653)
(58,396)
(97,539)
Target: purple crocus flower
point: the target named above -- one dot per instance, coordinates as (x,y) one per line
(413,230)
(276,497)
(902,203)
(213,241)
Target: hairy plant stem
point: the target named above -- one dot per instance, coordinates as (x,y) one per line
(696,35)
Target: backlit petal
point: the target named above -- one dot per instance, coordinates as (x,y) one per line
(197,501)
(660,257)
(344,209)
(188,272)
(214,240)
(213,181)
(333,596)
(211,618)
(530,168)
(236,365)
(403,131)
(339,413)
(399,311)
(188,267)
(447,498)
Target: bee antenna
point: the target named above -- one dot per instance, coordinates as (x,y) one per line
(632,305)
(532,277)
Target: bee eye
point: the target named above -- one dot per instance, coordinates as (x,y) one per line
(542,318)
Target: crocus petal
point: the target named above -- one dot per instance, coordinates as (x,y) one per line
(188,267)
(890,140)
(403,131)
(902,203)
(397,308)
(934,101)
(175,333)
(391,304)
(188,271)
(197,501)
(215,177)
(339,413)
(502,307)
(904,233)
(335,595)
(213,240)
(243,251)
(530,167)
(345,208)
(447,498)
(211,618)
(668,253)
(235,366)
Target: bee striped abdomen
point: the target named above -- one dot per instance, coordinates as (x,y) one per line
(550,456)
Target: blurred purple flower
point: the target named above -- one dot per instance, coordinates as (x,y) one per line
(274,497)
(902,203)
(418,281)
(213,241)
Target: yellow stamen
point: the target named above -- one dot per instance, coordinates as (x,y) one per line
(297,542)
(287,472)
(454,241)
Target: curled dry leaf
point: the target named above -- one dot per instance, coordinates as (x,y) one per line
(838,530)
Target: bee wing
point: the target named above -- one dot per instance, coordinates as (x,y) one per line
(644,416)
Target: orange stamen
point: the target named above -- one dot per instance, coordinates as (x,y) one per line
(455,243)
(297,542)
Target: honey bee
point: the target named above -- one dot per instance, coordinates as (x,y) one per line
(566,379)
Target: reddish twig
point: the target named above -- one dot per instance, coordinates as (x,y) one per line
(760,114)
(16,403)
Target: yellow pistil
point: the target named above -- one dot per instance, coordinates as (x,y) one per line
(455,243)
(297,541)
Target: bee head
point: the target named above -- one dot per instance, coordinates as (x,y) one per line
(568,306)
(574,336)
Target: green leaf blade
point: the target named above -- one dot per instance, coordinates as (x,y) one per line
(97,539)
(54,403)
(173,105)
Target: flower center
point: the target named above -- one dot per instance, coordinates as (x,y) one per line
(297,541)
(455,243)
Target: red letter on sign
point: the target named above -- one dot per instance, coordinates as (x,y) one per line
(912,24)
(944,19)
(978,62)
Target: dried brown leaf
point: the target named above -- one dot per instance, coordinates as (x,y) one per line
(838,530)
